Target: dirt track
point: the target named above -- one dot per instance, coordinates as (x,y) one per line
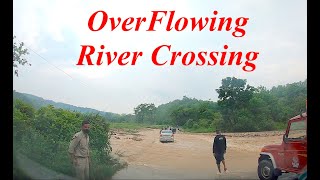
(190,156)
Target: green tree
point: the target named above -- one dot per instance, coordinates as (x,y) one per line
(19,51)
(292,98)
(145,113)
(234,94)
(43,135)
(23,115)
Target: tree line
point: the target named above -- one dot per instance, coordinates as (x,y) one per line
(240,107)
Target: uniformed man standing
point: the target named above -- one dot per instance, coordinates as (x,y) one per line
(79,151)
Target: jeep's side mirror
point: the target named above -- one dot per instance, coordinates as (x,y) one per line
(285,138)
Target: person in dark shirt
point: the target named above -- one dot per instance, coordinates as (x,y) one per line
(219,148)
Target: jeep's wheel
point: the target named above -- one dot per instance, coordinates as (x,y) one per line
(266,170)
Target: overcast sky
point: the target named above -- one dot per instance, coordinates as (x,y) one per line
(55,30)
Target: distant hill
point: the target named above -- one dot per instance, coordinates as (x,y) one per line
(38,102)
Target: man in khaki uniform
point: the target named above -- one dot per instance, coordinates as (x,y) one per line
(79,151)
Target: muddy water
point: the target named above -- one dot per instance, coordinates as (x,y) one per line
(188,157)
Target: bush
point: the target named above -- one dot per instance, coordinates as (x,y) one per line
(45,137)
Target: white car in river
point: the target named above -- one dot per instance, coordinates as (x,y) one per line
(166,136)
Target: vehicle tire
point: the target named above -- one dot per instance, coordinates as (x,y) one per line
(266,170)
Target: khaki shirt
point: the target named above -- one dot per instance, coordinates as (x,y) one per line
(79,145)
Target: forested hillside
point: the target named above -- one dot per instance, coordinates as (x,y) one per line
(241,107)
(38,102)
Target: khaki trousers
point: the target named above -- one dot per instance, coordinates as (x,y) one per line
(82,168)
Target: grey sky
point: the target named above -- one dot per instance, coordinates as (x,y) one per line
(56,29)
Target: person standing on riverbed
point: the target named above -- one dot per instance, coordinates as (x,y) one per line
(219,148)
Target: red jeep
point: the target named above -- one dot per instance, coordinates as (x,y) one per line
(290,155)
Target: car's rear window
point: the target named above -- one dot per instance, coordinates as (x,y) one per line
(166,131)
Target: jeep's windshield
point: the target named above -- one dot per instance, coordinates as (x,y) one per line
(297,130)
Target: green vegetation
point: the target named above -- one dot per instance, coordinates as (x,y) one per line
(199,130)
(19,51)
(43,135)
(38,102)
(240,108)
